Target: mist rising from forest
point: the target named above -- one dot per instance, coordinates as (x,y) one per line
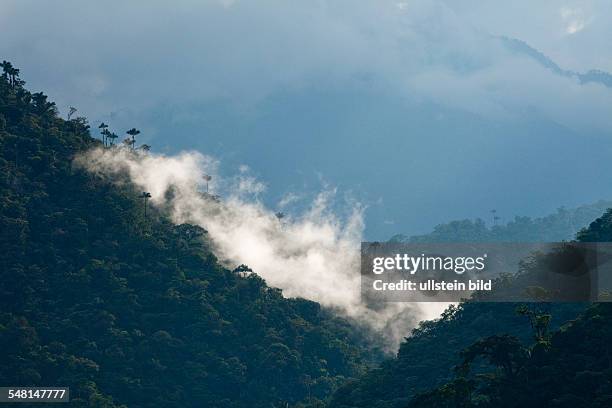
(313,254)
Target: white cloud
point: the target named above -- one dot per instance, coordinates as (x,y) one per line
(314,255)
(288,199)
(574,19)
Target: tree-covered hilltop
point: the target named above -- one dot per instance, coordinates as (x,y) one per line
(428,356)
(126,308)
(570,368)
(559,226)
(499,355)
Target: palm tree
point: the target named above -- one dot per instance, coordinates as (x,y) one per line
(104,131)
(10,73)
(145,196)
(112,136)
(145,147)
(207,178)
(280,215)
(133,132)
(105,136)
(7,67)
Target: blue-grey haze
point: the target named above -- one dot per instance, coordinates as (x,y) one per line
(422,111)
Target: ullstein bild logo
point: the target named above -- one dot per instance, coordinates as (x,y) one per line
(488,272)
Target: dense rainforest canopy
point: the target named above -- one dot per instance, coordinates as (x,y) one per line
(126,308)
(499,354)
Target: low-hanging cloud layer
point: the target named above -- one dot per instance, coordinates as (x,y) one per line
(314,255)
(122,58)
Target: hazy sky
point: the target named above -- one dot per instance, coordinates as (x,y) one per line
(231,76)
(127,55)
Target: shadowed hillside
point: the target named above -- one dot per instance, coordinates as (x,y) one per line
(498,355)
(128,309)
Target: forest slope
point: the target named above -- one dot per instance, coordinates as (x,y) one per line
(131,310)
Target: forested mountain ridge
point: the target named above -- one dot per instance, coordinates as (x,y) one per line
(571,367)
(499,355)
(522,48)
(128,309)
(427,357)
(559,226)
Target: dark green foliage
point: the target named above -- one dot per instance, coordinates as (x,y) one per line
(499,355)
(428,357)
(134,311)
(431,354)
(574,369)
(599,230)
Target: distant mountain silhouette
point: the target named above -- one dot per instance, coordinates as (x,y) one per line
(593,75)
